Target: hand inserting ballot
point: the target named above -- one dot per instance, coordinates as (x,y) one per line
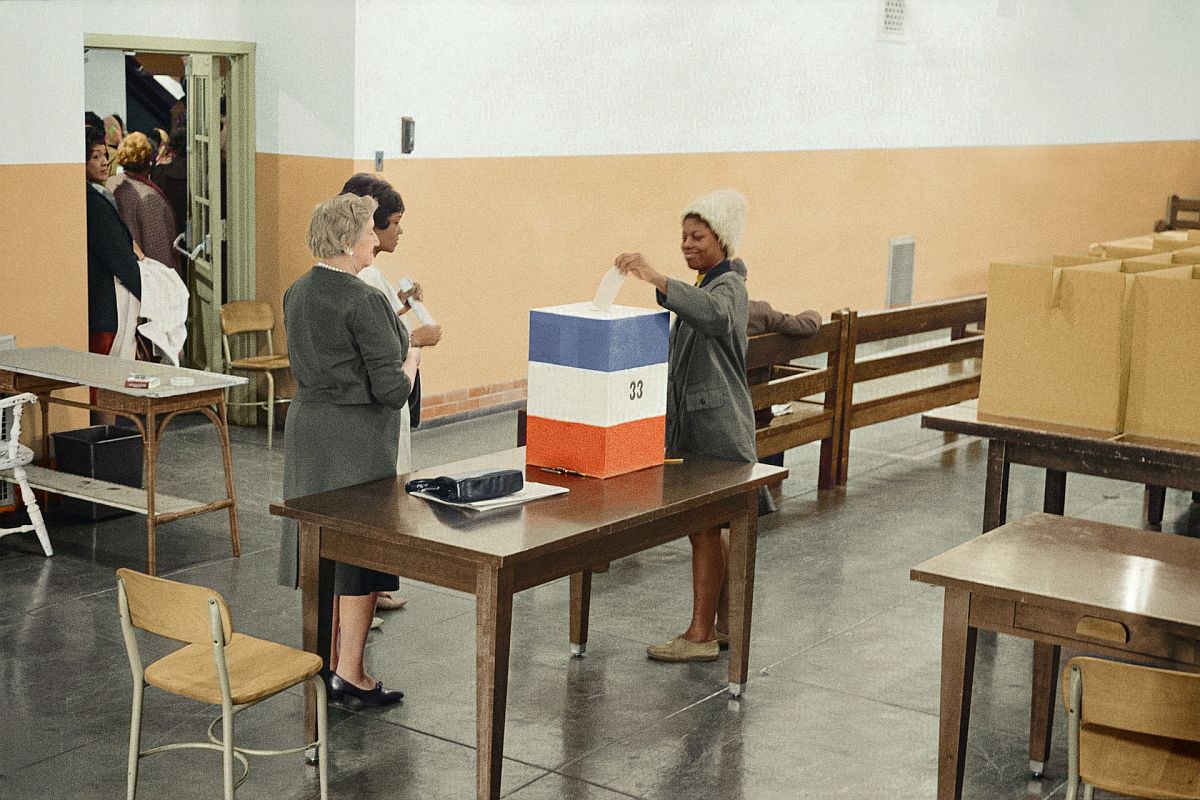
(635,264)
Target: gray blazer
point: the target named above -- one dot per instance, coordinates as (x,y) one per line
(708,404)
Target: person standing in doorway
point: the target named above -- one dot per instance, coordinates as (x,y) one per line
(111,250)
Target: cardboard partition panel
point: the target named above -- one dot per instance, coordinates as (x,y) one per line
(1158,261)
(1057,345)
(1164,369)
(1137,246)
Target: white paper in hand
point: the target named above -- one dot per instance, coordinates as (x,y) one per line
(606,292)
(405,285)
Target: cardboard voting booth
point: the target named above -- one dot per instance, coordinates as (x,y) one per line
(1164,371)
(1058,341)
(597,388)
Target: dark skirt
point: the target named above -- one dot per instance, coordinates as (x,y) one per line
(329,446)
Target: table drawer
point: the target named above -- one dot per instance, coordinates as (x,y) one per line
(1122,634)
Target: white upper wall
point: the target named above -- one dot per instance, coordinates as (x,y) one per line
(305,67)
(578,77)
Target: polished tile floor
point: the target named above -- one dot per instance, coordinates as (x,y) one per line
(844,685)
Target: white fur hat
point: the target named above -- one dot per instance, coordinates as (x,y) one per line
(725,212)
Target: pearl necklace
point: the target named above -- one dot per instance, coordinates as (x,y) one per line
(326,266)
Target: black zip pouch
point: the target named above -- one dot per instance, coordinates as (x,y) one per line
(470,487)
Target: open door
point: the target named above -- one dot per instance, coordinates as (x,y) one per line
(206,234)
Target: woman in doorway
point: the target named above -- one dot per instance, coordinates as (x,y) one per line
(354,370)
(387,228)
(141,203)
(708,404)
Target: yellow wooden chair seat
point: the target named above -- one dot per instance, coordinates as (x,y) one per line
(257,670)
(1139,765)
(261,363)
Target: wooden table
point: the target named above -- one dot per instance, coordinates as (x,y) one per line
(1105,589)
(1061,449)
(44,370)
(496,554)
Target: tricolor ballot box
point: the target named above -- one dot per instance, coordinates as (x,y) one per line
(597,388)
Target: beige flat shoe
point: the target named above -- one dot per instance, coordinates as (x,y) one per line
(376,623)
(721,638)
(385,602)
(680,650)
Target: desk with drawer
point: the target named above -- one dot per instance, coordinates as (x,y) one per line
(1059,581)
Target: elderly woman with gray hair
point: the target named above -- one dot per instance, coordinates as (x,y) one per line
(354,370)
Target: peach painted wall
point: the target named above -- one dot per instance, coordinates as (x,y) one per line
(43,263)
(492,238)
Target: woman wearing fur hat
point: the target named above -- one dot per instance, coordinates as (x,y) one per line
(708,404)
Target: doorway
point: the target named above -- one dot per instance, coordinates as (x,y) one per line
(218,244)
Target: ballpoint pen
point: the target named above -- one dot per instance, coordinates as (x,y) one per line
(562,471)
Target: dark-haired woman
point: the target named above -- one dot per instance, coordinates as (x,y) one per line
(387,227)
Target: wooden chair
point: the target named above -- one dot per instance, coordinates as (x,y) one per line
(814,393)
(1131,729)
(253,317)
(14,457)
(908,380)
(1173,222)
(217,666)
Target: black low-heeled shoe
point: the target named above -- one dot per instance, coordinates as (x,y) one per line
(340,689)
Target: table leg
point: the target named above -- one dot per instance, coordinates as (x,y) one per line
(150,435)
(1156,500)
(995,493)
(581,603)
(493,631)
(1055,498)
(227,459)
(316,592)
(958,675)
(1041,704)
(743,547)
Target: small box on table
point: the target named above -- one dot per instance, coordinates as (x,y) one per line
(597,388)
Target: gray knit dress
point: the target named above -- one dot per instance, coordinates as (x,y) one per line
(346,348)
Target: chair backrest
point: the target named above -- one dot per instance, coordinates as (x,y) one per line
(1187,205)
(172,609)
(10,438)
(246,316)
(1130,697)
(773,380)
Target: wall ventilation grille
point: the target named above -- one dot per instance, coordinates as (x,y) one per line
(892,20)
(902,262)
